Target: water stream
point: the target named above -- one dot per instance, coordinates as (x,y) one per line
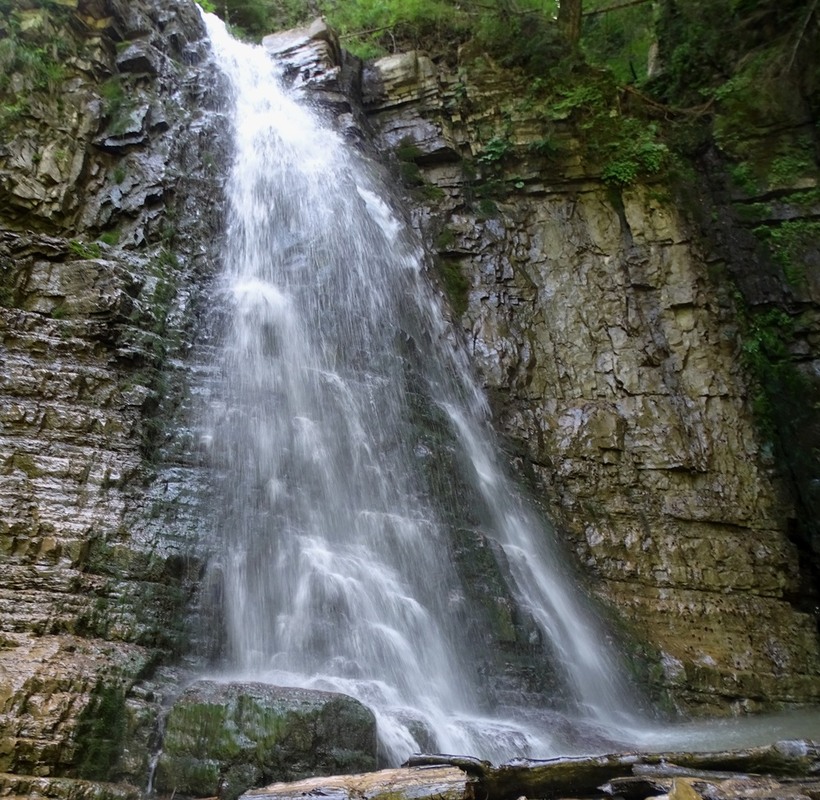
(335,515)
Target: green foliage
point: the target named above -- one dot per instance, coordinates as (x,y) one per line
(252,19)
(765,352)
(109,237)
(627,147)
(619,39)
(790,242)
(113,92)
(119,103)
(706,44)
(521,35)
(635,152)
(546,147)
(408,150)
(37,63)
(743,176)
(82,250)
(578,97)
(444,239)
(455,284)
(495,151)
(787,168)
(806,198)
(370,28)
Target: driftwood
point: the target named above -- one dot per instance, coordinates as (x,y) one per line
(758,772)
(471,765)
(413,783)
(567,777)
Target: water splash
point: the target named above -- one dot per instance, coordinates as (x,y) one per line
(334,520)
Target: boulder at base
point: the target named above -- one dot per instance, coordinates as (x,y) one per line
(223,738)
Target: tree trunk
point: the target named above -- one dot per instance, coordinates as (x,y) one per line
(569,20)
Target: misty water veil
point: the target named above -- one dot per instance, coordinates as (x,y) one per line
(351,442)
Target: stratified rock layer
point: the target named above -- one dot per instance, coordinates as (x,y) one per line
(106,191)
(610,346)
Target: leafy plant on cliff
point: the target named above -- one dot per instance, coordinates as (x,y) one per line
(495,151)
(765,351)
(625,144)
(37,59)
(790,243)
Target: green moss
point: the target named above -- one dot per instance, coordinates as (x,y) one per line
(444,239)
(109,237)
(100,733)
(790,244)
(766,337)
(456,286)
(25,463)
(83,250)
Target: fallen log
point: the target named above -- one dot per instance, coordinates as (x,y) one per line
(682,776)
(561,777)
(407,783)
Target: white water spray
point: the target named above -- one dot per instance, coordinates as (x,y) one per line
(335,540)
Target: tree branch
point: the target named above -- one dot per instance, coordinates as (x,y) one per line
(801,34)
(628,4)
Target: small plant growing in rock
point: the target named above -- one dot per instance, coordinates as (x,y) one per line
(495,151)
(82,250)
(109,237)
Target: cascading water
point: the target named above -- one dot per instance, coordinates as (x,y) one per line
(335,563)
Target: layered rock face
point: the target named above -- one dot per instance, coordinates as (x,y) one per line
(107,189)
(609,340)
(603,329)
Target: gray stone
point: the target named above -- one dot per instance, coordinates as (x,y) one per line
(228,737)
(139,56)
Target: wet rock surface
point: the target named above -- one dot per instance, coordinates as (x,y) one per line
(609,341)
(224,738)
(108,183)
(610,348)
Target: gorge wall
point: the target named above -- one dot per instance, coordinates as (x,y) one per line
(607,330)
(609,333)
(108,206)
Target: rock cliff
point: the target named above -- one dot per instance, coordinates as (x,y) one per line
(602,323)
(610,338)
(108,199)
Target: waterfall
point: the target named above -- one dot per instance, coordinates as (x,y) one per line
(335,513)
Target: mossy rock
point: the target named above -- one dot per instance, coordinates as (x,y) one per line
(234,736)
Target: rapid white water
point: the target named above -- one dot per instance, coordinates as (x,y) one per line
(335,514)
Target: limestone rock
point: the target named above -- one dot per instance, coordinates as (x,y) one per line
(612,356)
(309,54)
(95,289)
(240,735)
